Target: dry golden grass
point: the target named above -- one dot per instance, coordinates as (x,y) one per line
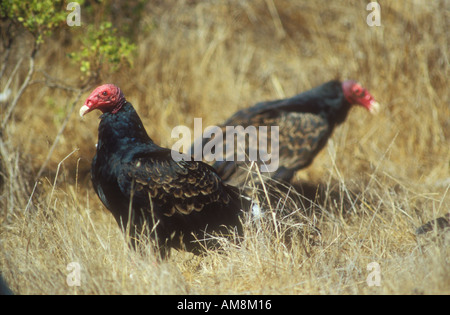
(379,177)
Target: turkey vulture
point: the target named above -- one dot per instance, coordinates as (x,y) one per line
(147,191)
(305,122)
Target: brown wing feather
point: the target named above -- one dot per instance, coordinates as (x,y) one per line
(301,137)
(176,187)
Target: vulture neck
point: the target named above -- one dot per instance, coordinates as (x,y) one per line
(338,114)
(331,101)
(117,130)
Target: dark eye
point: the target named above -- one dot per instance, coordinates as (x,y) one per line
(357,90)
(105,93)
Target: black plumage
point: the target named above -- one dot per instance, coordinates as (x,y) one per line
(305,121)
(177,203)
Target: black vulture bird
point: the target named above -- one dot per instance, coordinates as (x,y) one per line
(176,203)
(305,123)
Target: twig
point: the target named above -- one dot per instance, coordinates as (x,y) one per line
(281,33)
(5,61)
(9,40)
(272,211)
(56,175)
(13,73)
(22,87)
(52,82)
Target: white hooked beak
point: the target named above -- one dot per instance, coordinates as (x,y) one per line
(374,107)
(84,109)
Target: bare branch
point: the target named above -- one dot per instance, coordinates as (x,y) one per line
(22,87)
